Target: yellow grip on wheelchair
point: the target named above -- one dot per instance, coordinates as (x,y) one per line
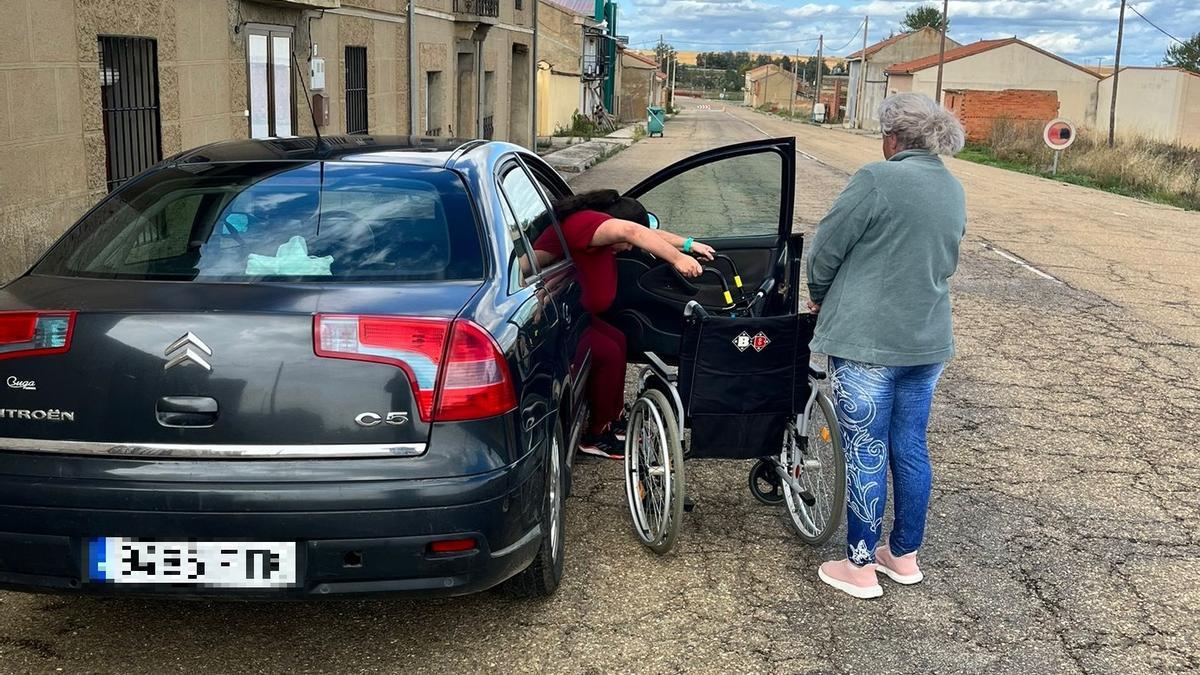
(737,280)
(728,298)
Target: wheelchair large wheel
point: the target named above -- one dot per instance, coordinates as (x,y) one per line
(817,463)
(654,482)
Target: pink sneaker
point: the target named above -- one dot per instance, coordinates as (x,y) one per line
(859,582)
(902,570)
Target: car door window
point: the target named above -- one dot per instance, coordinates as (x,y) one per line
(737,196)
(521,264)
(531,212)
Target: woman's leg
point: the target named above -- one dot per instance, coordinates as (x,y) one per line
(606,381)
(912,476)
(864,396)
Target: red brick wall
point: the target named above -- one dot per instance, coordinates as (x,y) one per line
(979,109)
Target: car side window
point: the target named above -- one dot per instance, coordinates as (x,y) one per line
(532,214)
(521,263)
(732,197)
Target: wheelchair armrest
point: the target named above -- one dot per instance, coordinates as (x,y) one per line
(660,367)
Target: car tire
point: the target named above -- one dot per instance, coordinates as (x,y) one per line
(543,575)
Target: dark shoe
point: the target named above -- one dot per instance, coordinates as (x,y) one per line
(602,445)
(617,428)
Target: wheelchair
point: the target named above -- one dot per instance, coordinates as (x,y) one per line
(745,390)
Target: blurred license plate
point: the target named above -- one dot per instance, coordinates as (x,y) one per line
(231,564)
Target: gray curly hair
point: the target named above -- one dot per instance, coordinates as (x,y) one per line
(917,122)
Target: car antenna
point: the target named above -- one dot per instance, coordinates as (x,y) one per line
(321,147)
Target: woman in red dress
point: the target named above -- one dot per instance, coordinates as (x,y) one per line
(598,225)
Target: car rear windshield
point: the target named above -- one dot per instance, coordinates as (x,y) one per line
(278,221)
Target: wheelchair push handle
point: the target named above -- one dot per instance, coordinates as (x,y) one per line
(733,272)
(692,289)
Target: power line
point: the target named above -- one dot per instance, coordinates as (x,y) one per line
(1135,11)
(860,27)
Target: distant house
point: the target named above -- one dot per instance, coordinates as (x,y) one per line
(1007,64)
(641,85)
(769,85)
(571,63)
(1157,103)
(878,58)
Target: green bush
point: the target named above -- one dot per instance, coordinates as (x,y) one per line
(581,127)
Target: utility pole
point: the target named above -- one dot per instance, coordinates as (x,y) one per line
(820,67)
(862,77)
(1112,106)
(674,76)
(942,49)
(795,83)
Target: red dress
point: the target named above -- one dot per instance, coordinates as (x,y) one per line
(597,266)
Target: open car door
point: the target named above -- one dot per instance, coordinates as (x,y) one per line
(739,200)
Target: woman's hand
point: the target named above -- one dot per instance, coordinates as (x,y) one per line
(703,250)
(687,266)
(812,306)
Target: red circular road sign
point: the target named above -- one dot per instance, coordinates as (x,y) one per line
(1059,134)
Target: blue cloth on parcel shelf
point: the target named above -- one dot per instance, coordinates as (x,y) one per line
(291,259)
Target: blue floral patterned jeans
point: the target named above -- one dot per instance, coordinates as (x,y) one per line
(883,412)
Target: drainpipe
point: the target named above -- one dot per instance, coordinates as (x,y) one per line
(533,74)
(414,72)
(479,89)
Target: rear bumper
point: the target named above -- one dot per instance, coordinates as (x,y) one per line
(359,531)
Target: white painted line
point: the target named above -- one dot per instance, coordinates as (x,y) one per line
(1118,213)
(747,122)
(1012,258)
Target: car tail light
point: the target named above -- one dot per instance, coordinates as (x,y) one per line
(456,370)
(476,382)
(35,333)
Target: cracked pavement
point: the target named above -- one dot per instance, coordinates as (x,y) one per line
(1062,529)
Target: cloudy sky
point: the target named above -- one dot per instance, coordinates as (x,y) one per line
(1082,30)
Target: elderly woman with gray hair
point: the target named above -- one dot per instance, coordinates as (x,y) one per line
(878,274)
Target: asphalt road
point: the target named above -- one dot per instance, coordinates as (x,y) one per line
(1063,525)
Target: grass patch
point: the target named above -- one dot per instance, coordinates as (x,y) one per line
(639,132)
(1140,168)
(581,127)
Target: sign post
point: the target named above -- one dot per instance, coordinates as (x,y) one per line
(1059,134)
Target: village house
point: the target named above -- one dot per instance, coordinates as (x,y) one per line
(878,58)
(105,89)
(1161,104)
(769,85)
(1006,64)
(572,64)
(641,84)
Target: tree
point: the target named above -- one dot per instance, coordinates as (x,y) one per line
(920,17)
(1186,55)
(762,60)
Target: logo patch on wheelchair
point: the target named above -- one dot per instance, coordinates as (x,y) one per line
(744,341)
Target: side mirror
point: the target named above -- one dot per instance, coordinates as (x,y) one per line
(652,220)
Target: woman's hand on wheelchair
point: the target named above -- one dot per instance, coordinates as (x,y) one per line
(702,250)
(687,266)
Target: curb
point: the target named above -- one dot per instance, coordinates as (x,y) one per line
(580,157)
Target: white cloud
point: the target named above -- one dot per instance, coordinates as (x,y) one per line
(1059,43)
(1083,30)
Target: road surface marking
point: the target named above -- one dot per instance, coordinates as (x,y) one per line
(748,123)
(1012,258)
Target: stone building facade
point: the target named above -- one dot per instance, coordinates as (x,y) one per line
(97,90)
(641,84)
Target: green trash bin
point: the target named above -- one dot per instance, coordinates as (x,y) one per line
(656,119)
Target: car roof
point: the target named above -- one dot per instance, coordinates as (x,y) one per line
(421,150)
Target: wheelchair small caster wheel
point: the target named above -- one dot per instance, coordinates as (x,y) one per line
(765,484)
